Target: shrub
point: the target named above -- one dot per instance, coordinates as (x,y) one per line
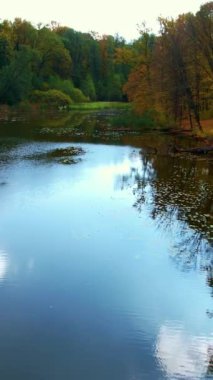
(51,98)
(67,87)
(78,96)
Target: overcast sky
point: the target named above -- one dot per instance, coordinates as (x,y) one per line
(105,17)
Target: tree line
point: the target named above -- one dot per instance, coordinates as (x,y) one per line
(36,62)
(170,74)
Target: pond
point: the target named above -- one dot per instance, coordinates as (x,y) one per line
(106,264)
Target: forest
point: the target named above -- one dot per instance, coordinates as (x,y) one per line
(169,74)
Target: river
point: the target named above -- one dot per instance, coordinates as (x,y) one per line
(106,265)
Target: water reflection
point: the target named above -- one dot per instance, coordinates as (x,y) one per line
(3,265)
(179,197)
(183,355)
(93,284)
(55,126)
(177,193)
(13,267)
(30,264)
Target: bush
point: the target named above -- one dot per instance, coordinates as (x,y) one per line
(51,98)
(67,87)
(78,96)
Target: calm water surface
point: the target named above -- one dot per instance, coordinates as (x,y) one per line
(106,266)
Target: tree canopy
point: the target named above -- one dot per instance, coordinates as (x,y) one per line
(52,54)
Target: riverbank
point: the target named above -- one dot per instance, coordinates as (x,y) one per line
(117,117)
(207,126)
(100,106)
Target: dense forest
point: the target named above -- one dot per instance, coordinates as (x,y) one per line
(77,66)
(170,73)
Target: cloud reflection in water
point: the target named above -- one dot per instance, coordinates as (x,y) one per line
(182,355)
(3,265)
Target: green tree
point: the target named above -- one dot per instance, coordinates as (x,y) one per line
(54,57)
(16,83)
(6,51)
(23,33)
(88,87)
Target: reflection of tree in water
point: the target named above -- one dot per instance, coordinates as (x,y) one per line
(178,193)
(210,364)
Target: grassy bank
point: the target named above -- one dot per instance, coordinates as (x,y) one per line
(99,106)
(42,107)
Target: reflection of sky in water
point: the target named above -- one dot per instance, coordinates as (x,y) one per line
(181,354)
(3,265)
(16,267)
(93,277)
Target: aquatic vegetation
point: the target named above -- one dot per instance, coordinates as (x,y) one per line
(69,155)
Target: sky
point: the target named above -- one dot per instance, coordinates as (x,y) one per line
(104,17)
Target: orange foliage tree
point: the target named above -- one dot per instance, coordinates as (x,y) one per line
(173,73)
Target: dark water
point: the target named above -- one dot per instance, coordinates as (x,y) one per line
(106,266)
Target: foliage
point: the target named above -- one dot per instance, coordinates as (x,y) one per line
(174,71)
(6,51)
(171,73)
(66,86)
(16,83)
(78,96)
(51,98)
(55,58)
(88,87)
(148,119)
(82,65)
(94,66)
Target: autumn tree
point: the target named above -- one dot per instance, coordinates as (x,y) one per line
(174,76)
(200,29)
(139,87)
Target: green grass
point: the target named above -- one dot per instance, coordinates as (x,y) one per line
(99,106)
